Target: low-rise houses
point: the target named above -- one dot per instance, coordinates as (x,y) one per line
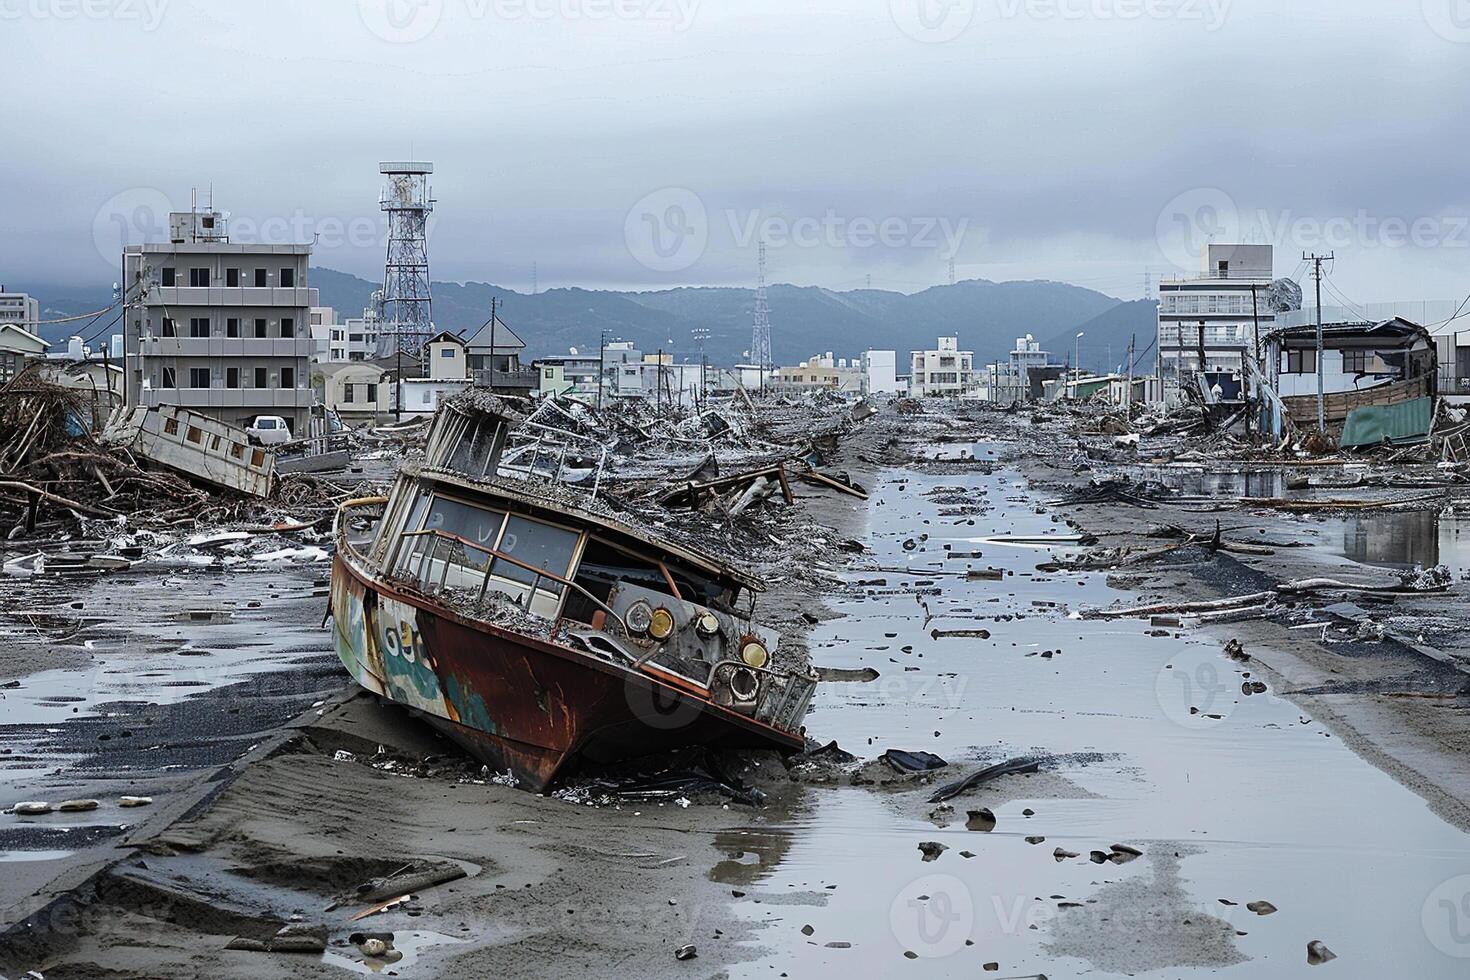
(880,373)
(820,371)
(356,391)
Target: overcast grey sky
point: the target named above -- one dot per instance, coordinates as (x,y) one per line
(649,143)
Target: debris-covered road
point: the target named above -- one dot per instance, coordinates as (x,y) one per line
(1189,811)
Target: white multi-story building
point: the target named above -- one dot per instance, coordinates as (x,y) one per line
(946,372)
(219,328)
(323,325)
(879,372)
(1211,322)
(356,338)
(19,309)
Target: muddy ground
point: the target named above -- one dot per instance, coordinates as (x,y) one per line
(259,825)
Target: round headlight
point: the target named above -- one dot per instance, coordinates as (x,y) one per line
(639,615)
(744,685)
(661,624)
(754,652)
(707,625)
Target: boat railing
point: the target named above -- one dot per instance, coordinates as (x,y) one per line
(422,552)
(339,526)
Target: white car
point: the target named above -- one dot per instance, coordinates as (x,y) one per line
(269,430)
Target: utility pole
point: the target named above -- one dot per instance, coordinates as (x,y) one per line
(1256,329)
(492,341)
(1128,397)
(601,367)
(1317,261)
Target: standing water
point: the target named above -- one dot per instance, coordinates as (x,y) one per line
(1232,798)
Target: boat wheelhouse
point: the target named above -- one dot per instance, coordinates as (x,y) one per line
(536,627)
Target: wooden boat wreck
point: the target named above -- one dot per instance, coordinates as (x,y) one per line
(537,629)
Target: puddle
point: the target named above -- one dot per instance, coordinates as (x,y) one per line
(411,944)
(1402,539)
(1230,796)
(20,856)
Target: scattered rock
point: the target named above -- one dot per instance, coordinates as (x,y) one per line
(932,849)
(1036,840)
(1062,855)
(76,806)
(1318,953)
(31,808)
(981,819)
(686,952)
(807,930)
(132,801)
(1262,907)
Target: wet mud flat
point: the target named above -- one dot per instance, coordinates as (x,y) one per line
(136,685)
(1177,819)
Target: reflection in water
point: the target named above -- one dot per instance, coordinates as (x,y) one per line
(1402,539)
(750,855)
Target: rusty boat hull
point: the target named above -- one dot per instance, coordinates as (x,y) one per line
(518,702)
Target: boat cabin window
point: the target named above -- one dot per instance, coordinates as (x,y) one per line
(476,525)
(487,541)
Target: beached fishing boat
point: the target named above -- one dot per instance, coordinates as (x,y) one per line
(536,628)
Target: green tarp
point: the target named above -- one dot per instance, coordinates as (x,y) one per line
(1401,424)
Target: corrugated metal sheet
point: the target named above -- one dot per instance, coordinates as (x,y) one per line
(1401,424)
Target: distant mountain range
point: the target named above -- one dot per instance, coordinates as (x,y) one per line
(987,317)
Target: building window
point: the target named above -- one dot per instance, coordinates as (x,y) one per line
(288,326)
(372,394)
(198,326)
(1354,362)
(428,397)
(199,377)
(288,277)
(166,276)
(260,277)
(259,327)
(316,319)
(232,377)
(447,352)
(166,379)
(260,378)
(198,277)
(1301,362)
(168,327)
(232,327)
(288,377)
(232,277)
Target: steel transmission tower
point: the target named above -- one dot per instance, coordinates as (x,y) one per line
(406,316)
(760,331)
